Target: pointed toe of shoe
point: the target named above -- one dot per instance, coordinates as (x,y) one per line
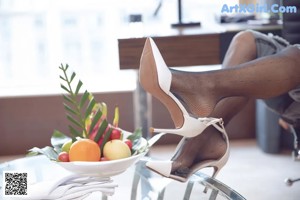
(162,167)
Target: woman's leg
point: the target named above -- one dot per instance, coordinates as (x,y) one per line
(242,49)
(265,77)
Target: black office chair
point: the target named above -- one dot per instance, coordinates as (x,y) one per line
(296,146)
(291,32)
(291,23)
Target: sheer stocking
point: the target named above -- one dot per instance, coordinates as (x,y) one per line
(244,83)
(252,79)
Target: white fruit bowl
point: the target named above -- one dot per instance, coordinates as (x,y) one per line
(103,168)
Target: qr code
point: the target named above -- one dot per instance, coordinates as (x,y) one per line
(15,183)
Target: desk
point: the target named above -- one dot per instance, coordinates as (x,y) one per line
(187,46)
(176,50)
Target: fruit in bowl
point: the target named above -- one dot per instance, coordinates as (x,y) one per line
(106,167)
(92,138)
(84,150)
(116,149)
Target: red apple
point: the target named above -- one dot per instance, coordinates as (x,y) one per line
(115,134)
(63,156)
(129,143)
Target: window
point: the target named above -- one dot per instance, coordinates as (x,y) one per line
(36,36)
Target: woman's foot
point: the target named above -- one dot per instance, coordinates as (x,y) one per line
(210,145)
(196,93)
(209,149)
(156,78)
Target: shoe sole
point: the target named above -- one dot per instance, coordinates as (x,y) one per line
(148,78)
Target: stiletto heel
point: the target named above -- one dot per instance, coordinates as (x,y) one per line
(165,167)
(215,172)
(155,77)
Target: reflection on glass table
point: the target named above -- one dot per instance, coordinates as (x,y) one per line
(136,183)
(200,186)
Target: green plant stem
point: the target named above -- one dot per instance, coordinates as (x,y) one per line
(73,97)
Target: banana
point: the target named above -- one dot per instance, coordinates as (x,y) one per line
(104,110)
(116,117)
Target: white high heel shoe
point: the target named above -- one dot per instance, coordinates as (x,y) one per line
(165,167)
(155,77)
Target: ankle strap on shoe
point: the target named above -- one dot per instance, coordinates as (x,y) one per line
(218,123)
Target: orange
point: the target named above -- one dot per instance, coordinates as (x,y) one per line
(84,150)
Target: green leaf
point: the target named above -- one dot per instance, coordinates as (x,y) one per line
(67,66)
(76,112)
(83,99)
(136,139)
(58,139)
(68,99)
(74,132)
(61,67)
(32,152)
(106,138)
(62,78)
(95,120)
(74,121)
(72,77)
(137,134)
(74,108)
(101,130)
(78,87)
(64,87)
(69,109)
(47,151)
(90,108)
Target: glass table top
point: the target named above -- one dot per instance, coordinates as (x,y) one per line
(136,183)
(199,186)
